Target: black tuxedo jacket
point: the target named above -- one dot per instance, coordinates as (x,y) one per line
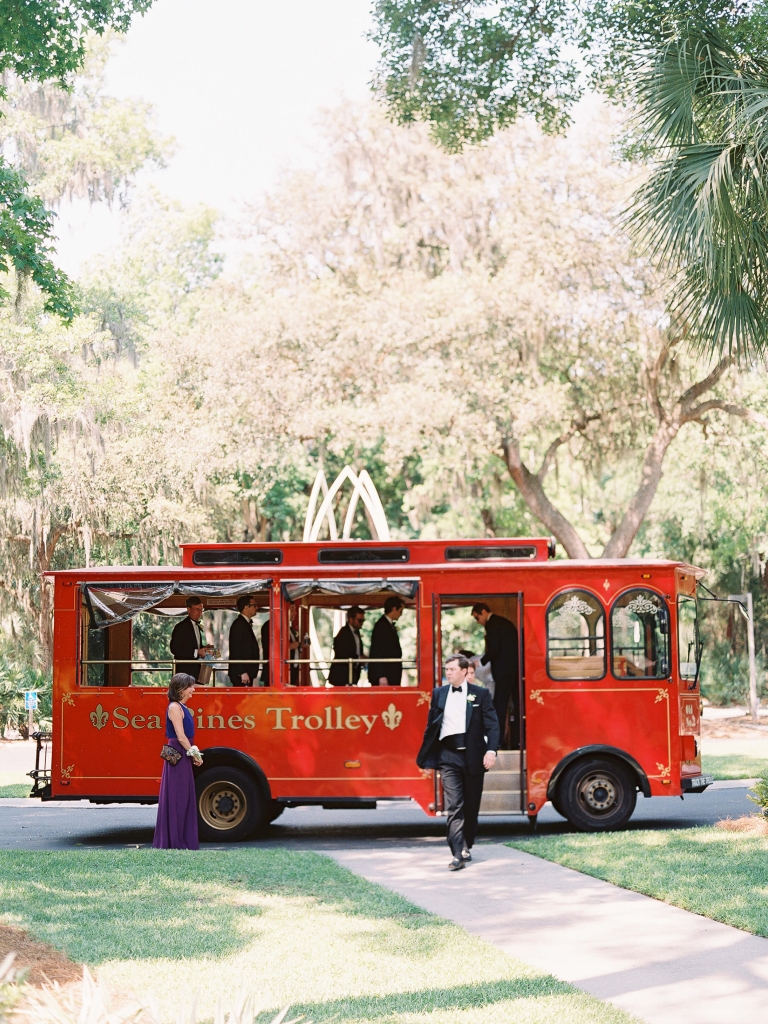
(242,644)
(183,645)
(385,643)
(482,732)
(501,648)
(344,647)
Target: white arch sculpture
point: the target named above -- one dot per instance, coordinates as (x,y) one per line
(362,487)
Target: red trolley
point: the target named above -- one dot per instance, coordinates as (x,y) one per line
(608,679)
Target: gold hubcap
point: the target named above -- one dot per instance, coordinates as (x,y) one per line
(223,805)
(599,793)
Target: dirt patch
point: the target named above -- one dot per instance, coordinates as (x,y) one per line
(750,825)
(44,962)
(733,729)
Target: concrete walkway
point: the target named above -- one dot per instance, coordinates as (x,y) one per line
(664,965)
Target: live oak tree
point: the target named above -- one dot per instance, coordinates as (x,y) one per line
(696,75)
(482,304)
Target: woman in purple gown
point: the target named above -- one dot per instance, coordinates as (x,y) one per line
(176,827)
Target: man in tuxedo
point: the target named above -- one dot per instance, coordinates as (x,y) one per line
(385,643)
(460,740)
(187,645)
(243,644)
(501,651)
(348,644)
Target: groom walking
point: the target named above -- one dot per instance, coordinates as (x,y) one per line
(460,740)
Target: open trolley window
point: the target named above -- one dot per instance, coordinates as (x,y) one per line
(320,651)
(127,626)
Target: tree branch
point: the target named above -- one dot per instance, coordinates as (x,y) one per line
(532,491)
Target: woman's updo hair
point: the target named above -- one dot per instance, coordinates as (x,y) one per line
(179,683)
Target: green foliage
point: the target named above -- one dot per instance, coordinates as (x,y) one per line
(702,213)
(43,39)
(469,69)
(16,676)
(725,673)
(26,243)
(760,791)
(469,73)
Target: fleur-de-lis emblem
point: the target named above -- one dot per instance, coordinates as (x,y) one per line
(661,695)
(391,717)
(99,717)
(67,772)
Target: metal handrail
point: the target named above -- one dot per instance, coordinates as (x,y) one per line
(174,661)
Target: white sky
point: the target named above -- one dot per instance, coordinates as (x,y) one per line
(239,84)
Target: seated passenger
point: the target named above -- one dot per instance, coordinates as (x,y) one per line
(348,644)
(385,643)
(243,644)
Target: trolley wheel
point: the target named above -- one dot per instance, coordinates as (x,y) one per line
(557,804)
(597,795)
(229,805)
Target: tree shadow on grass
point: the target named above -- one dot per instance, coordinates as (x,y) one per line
(461,997)
(101,905)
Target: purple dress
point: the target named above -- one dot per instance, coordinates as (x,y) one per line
(176,827)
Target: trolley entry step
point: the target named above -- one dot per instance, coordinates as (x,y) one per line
(502,789)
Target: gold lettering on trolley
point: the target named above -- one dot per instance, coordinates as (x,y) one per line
(121,715)
(332,719)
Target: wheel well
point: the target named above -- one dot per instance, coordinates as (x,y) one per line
(217,757)
(600,750)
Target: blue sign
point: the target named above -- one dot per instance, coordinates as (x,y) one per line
(30,700)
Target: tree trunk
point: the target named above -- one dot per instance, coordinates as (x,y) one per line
(624,534)
(532,490)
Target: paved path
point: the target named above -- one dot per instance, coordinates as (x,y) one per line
(30,825)
(663,964)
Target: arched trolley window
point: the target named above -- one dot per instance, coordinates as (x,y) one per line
(575,636)
(640,636)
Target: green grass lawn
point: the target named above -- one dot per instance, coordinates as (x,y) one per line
(722,875)
(290,927)
(735,758)
(14,784)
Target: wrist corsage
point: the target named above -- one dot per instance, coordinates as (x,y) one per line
(195,752)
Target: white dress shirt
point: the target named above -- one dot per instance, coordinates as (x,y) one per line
(358,646)
(455,713)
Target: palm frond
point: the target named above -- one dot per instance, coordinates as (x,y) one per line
(703,211)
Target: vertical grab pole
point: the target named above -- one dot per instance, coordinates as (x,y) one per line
(752,660)
(521,699)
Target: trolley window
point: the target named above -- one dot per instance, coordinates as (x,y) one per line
(640,636)
(688,639)
(576,636)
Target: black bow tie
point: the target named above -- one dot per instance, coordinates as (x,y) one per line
(455,688)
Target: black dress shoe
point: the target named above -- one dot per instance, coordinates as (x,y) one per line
(466,855)
(456,864)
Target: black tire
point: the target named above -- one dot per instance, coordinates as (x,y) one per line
(274,810)
(598,795)
(229,805)
(555,801)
